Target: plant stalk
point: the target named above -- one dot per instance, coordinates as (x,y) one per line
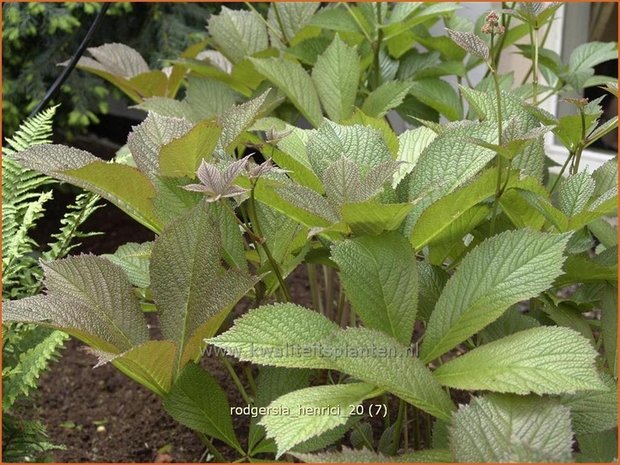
(399,426)
(534,41)
(209,445)
(236,380)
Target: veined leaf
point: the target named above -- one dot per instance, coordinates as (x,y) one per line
(411,144)
(197,401)
(134,259)
(289,19)
(208,98)
(292,79)
(591,54)
(151,364)
(89,298)
(331,406)
(598,447)
(147,139)
(438,94)
(124,186)
(181,157)
(545,360)
(470,42)
(574,193)
(363,145)
(385,97)
(594,411)
(367,456)
(283,335)
(238,33)
(380,278)
(117,59)
(503,270)
(336,75)
(372,218)
(237,119)
(512,429)
(381,361)
(191,288)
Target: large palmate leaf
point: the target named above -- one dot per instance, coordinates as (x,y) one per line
(238,33)
(294,81)
(148,138)
(545,360)
(197,401)
(362,145)
(123,185)
(378,359)
(306,413)
(89,298)
(380,278)
(191,288)
(512,429)
(336,75)
(283,335)
(503,270)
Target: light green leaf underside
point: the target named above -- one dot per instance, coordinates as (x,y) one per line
(503,270)
(380,278)
(134,258)
(506,428)
(594,411)
(238,34)
(294,425)
(411,144)
(544,360)
(383,362)
(283,335)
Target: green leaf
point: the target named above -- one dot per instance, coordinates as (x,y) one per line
(373,218)
(574,193)
(503,270)
(594,411)
(440,95)
(609,326)
(347,455)
(378,359)
(385,97)
(591,54)
(436,220)
(294,81)
(380,278)
(89,298)
(191,288)
(545,360)
(470,42)
(432,280)
(197,401)
(238,119)
(181,157)
(303,414)
(336,75)
(238,33)
(363,145)
(411,144)
(289,19)
(580,268)
(151,364)
(134,259)
(598,447)
(147,139)
(283,335)
(512,321)
(512,429)
(124,186)
(208,98)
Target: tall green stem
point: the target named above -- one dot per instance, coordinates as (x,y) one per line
(209,445)
(534,42)
(399,426)
(377,50)
(236,380)
(498,96)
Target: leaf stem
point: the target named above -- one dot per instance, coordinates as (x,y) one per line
(399,426)
(236,380)
(377,50)
(534,41)
(357,21)
(209,445)
(498,96)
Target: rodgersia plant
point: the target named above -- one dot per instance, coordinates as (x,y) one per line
(449,262)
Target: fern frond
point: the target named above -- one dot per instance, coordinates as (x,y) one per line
(25,441)
(77,213)
(33,131)
(22,378)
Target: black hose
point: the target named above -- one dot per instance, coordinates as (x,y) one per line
(74,59)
